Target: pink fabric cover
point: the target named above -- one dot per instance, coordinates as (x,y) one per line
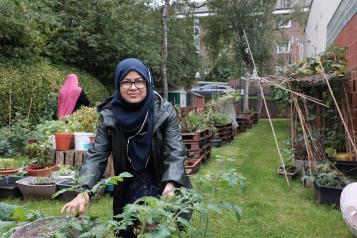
(68,96)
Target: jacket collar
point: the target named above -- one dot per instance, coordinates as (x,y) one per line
(160,114)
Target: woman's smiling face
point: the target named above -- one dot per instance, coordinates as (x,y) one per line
(133,87)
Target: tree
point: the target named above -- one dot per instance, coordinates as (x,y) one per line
(164,16)
(225,30)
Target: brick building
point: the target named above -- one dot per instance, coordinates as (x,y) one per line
(342,30)
(289,33)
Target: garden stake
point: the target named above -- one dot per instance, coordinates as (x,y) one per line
(267,110)
(318,149)
(336,104)
(323,73)
(10,110)
(349,117)
(301,119)
(28,114)
(293,92)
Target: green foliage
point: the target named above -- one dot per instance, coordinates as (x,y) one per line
(279,95)
(33,86)
(183,60)
(85,227)
(78,184)
(48,128)
(13,215)
(25,27)
(14,139)
(94,36)
(162,217)
(216,118)
(41,151)
(333,61)
(193,122)
(225,29)
(85,119)
(329,175)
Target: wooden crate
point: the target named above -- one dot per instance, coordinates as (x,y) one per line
(78,157)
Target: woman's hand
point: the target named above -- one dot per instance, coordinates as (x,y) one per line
(169,190)
(78,205)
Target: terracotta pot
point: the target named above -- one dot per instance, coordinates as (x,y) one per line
(8,171)
(64,141)
(35,169)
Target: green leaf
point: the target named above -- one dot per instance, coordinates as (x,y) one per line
(19,214)
(215,207)
(76,225)
(238,211)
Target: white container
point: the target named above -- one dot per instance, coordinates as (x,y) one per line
(348,204)
(82,140)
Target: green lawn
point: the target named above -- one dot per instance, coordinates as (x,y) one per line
(271,209)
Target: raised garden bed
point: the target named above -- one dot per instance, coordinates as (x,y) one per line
(192,166)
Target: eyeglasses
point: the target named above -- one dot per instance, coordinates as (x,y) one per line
(139,84)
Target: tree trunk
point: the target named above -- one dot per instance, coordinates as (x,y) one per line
(260,99)
(246,96)
(163,69)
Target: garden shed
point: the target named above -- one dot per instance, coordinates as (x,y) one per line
(178,97)
(195,100)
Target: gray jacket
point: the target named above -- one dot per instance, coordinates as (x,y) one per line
(168,151)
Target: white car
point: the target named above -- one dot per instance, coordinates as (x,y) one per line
(213,90)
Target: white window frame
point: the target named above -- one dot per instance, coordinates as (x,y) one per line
(283,52)
(287,24)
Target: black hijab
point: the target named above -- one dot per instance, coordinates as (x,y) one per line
(137,120)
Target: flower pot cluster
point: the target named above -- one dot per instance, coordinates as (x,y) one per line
(36,183)
(324,178)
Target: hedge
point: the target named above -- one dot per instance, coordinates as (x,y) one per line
(37,82)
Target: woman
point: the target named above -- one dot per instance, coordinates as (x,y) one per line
(71,97)
(141,130)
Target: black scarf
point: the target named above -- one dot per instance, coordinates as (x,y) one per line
(133,117)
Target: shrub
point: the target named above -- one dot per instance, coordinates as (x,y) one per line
(14,139)
(85,119)
(35,84)
(192,122)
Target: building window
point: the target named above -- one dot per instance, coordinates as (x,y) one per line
(284,23)
(284,47)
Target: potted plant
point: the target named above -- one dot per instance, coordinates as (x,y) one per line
(289,169)
(329,183)
(36,187)
(215,140)
(192,122)
(64,172)
(43,156)
(7,166)
(83,123)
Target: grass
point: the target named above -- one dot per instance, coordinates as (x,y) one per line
(271,209)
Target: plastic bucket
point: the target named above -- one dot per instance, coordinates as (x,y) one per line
(82,140)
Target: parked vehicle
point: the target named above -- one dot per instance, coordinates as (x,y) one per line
(213,90)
